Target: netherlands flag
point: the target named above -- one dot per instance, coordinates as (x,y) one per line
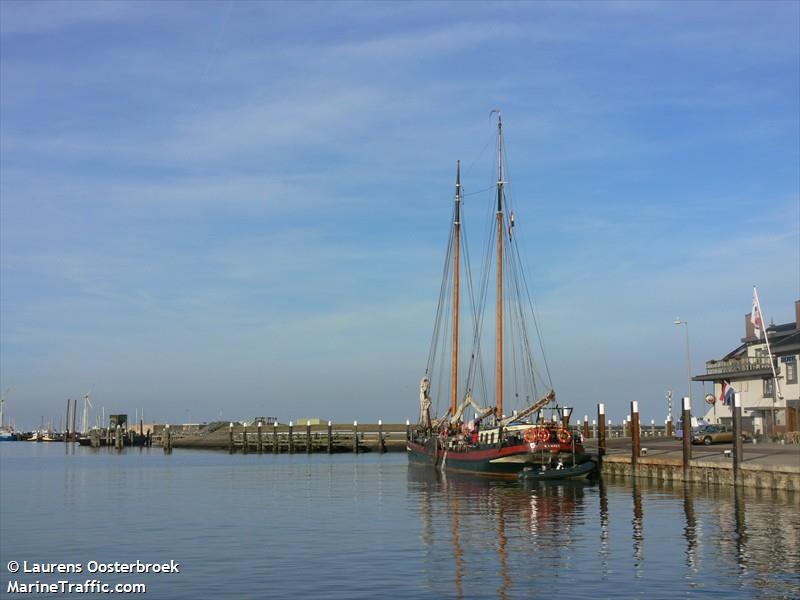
(726,396)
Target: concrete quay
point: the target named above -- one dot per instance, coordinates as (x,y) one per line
(764,466)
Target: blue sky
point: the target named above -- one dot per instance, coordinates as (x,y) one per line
(241,208)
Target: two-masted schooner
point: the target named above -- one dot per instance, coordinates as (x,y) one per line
(490,443)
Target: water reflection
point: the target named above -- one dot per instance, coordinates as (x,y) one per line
(503,538)
(638,529)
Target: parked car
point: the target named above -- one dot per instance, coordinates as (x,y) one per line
(713,434)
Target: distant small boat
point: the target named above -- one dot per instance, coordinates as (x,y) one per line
(545,473)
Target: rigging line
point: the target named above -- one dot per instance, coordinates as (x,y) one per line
(478,318)
(442,289)
(531,304)
(531,366)
(491,187)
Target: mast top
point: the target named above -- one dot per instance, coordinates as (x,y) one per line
(499,160)
(457,219)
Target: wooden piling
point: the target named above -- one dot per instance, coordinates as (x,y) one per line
(636,445)
(737,439)
(260,440)
(669,426)
(381,444)
(565,418)
(330,437)
(355,437)
(687,434)
(308,437)
(118,438)
(585,426)
(408,430)
(244,439)
(167,441)
(230,439)
(275,438)
(291,438)
(652,428)
(601,434)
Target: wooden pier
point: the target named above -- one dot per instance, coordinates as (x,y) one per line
(289,438)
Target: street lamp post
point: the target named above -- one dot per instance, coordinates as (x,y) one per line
(688,361)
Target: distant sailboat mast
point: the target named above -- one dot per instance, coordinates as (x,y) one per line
(499,264)
(457,235)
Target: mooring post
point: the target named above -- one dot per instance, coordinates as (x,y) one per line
(118,438)
(737,439)
(260,441)
(330,437)
(165,440)
(381,445)
(291,437)
(594,428)
(636,445)
(408,430)
(230,439)
(652,428)
(308,436)
(244,439)
(585,426)
(668,423)
(355,437)
(627,423)
(275,437)
(601,433)
(687,434)
(565,418)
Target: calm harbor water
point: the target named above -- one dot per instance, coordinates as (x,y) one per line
(364,526)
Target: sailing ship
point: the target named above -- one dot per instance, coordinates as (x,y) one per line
(491,443)
(7,433)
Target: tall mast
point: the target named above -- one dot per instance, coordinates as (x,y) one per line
(499,265)
(457,235)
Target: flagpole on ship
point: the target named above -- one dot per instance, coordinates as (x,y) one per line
(777,391)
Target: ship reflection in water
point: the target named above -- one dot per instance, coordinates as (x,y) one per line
(485,538)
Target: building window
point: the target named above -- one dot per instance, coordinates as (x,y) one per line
(769,388)
(791,372)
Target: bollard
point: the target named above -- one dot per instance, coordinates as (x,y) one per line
(260,440)
(585,426)
(636,445)
(381,445)
(308,437)
(355,437)
(291,438)
(687,434)
(244,439)
(230,439)
(737,439)
(330,437)
(601,434)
